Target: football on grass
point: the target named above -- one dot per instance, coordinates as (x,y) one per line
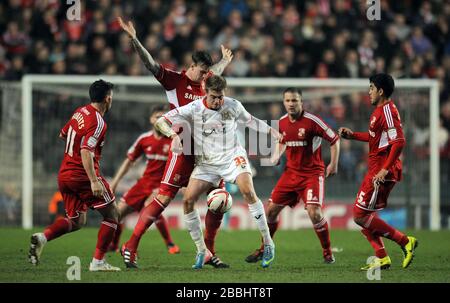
(219,201)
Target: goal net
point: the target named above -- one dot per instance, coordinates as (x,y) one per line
(33,112)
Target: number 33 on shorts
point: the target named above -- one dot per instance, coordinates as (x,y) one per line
(240,161)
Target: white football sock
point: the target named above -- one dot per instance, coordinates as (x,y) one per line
(193,224)
(257,212)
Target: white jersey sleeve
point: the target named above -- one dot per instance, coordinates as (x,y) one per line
(250,121)
(180,114)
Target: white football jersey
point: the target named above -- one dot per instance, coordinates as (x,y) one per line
(214,131)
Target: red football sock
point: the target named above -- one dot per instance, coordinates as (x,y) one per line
(212,224)
(378,227)
(146,218)
(60,227)
(376,242)
(116,239)
(323,234)
(104,238)
(273,226)
(161,224)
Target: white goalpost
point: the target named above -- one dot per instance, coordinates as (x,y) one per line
(32,82)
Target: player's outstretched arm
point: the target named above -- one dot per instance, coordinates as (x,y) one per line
(165,128)
(347,133)
(123,169)
(280,148)
(87,159)
(145,56)
(219,67)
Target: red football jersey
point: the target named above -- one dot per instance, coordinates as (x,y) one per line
(385,127)
(303,139)
(179,88)
(85,130)
(156,151)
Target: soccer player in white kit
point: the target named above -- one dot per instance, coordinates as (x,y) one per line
(213,123)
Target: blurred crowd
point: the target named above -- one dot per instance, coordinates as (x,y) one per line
(276,38)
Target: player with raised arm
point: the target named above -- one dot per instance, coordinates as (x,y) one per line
(155,147)
(80,181)
(303,178)
(181,89)
(213,120)
(386,141)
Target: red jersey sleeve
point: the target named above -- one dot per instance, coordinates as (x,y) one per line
(64,130)
(95,128)
(136,150)
(168,78)
(281,130)
(323,130)
(392,124)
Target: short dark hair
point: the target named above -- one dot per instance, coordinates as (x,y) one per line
(292,90)
(159,108)
(385,82)
(216,83)
(99,90)
(202,57)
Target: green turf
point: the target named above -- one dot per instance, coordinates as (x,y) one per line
(298,259)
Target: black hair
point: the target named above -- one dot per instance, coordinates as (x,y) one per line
(202,57)
(385,82)
(159,108)
(292,90)
(99,90)
(216,83)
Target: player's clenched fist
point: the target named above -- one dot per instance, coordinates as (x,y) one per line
(345,132)
(97,188)
(127,27)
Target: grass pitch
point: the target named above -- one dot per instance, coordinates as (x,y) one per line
(298,258)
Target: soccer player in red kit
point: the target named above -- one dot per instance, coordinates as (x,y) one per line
(305,171)
(155,147)
(181,88)
(386,141)
(79,179)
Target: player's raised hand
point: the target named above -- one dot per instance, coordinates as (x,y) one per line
(176,147)
(345,132)
(227,54)
(127,27)
(97,189)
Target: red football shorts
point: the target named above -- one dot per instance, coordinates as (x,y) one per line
(136,196)
(372,197)
(176,174)
(290,188)
(77,196)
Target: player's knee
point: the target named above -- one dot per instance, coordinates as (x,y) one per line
(360,220)
(165,200)
(315,214)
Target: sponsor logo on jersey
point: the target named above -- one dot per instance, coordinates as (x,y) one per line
(296,143)
(191,96)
